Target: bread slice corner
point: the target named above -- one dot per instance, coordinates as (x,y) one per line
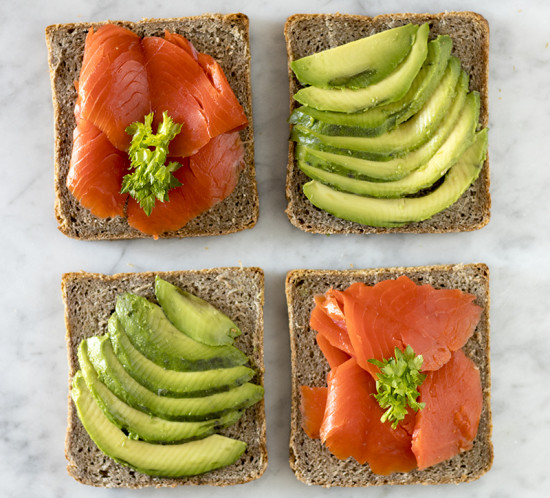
(224,37)
(311,462)
(306,34)
(89,300)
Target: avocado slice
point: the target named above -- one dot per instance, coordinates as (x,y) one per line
(139,424)
(407,136)
(390,89)
(360,165)
(167,460)
(358,63)
(378,120)
(457,142)
(194,316)
(156,338)
(113,375)
(398,212)
(171,382)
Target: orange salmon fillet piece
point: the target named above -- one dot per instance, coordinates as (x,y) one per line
(113,88)
(352,428)
(448,425)
(96,171)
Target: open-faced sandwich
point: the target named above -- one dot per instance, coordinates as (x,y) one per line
(165,394)
(388,122)
(390,375)
(153,127)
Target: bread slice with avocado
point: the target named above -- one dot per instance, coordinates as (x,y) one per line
(90,301)
(308,34)
(311,462)
(224,37)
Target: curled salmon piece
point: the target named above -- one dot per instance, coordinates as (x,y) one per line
(333,355)
(194,92)
(448,424)
(352,427)
(313,401)
(96,171)
(113,87)
(328,319)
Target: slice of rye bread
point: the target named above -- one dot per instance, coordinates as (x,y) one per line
(311,461)
(224,37)
(306,34)
(89,302)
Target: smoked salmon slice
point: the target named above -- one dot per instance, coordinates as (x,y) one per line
(113,88)
(182,42)
(352,428)
(327,318)
(207,178)
(96,171)
(193,95)
(332,304)
(228,103)
(397,313)
(333,355)
(449,422)
(229,112)
(313,401)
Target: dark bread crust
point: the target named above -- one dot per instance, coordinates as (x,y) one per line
(306,34)
(313,463)
(89,301)
(224,37)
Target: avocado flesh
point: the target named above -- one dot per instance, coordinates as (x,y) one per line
(194,316)
(124,386)
(172,460)
(356,165)
(397,212)
(171,382)
(457,142)
(155,337)
(390,89)
(359,63)
(407,136)
(381,119)
(139,424)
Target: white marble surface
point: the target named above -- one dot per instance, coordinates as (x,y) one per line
(33,254)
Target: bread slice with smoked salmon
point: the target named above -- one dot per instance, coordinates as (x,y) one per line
(206,39)
(311,354)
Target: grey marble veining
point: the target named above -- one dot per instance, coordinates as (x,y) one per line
(515,244)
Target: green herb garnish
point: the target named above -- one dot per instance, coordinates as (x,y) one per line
(397,385)
(151,178)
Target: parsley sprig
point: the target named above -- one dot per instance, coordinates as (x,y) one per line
(397,384)
(151,178)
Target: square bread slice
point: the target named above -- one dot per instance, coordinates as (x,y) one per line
(309,459)
(89,302)
(224,37)
(307,34)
